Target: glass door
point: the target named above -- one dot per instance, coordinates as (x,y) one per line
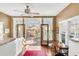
(20,30)
(33,30)
(49,30)
(45,34)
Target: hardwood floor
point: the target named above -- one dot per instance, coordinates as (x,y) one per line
(47,49)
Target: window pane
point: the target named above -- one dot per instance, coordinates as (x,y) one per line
(49,21)
(1,30)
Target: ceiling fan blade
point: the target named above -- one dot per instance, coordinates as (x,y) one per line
(24,14)
(34,13)
(19,11)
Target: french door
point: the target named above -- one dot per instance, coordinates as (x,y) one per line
(45,34)
(33,28)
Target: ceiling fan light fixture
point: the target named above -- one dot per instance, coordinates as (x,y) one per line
(27,11)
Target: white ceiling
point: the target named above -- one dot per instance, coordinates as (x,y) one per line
(45,9)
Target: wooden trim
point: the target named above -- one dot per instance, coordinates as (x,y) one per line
(42,20)
(11,28)
(4,13)
(64,9)
(32,17)
(41,35)
(23,20)
(54,29)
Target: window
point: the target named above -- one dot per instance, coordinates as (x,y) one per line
(49,21)
(1,31)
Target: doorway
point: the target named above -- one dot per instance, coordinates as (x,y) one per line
(32,29)
(45,34)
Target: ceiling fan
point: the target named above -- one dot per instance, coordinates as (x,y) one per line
(27,11)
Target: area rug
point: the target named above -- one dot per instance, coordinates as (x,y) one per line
(35,53)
